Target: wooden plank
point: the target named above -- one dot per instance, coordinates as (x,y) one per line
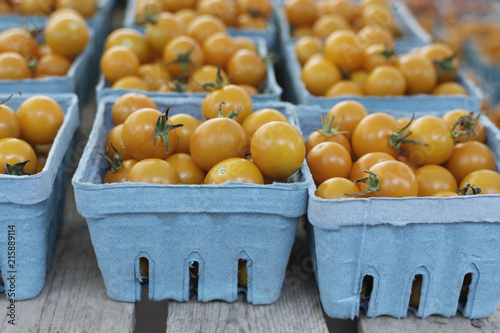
(430,324)
(297,310)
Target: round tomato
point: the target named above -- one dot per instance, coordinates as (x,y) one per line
(445,194)
(365,162)
(130,83)
(327,160)
(278,150)
(165,28)
(344,88)
(329,23)
(67,34)
(216,140)
(486,180)
(52,64)
(347,114)
(228,98)
(40,117)
(120,175)
(260,117)
(139,135)
(176,5)
(470,156)
(385,81)
(444,60)
(420,75)
(300,12)
(390,179)
(153,171)
(434,178)
(218,49)
(205,78)
(14,151)
(205,26)
(246,67)
(118,62)
(336,188)
(465,125)
(341,48)
(115,139)
(10,126)
(131,39)
(19,41)
(306,46)
(234,170)
(127,104)
(327,134)
(318,74)
(189,171)
(13,67)
(374,34)
(182,55)
(449,88)
(377,55)
(184,133)
(225,10)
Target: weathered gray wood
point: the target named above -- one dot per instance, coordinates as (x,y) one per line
(430,324)
(297,310)
(74,298)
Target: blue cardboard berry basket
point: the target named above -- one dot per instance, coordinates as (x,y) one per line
(392,240)
(271,91)
(298,93)
(76,81)
(174,226)
(31,209)
(270,35)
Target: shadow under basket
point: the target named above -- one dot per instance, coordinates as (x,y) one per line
(189,235)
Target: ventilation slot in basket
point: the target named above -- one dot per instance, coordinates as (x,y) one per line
(144,272)
(464,292)
(416,291)
(2,285)
(366,291)
(242,274)
(194,276)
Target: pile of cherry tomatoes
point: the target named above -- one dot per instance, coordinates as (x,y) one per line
(86,8)
(357,154)
(178,56)
(24,142)
(234,143)
(23,57)
(244,14)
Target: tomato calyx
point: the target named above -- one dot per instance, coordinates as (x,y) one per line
(231,115)
(177,85)
(254,13)
(387,52)
(445,66)
(163,127)
(16,169)
(469,189)
(219,81)
(327,128)
(183,60)
(468,123)
(33,63)
(150,16)
(34,32)
(372,183)
(8,98)
(399,138)
(115,164)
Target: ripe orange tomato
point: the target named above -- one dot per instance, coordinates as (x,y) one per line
(38,110)
(347,114)
(118,62)
(336,188)
(115,138)
(433,179)
(365,162)
(487,180)
(327,160)
(449,88)
(377,55)
(19,41)
(300,12)
(131,39)
(420,75)
(341,48)
(184,133)
(329,23)
(13,67)
(153,171)
(10,126)
(205,26)
(183,55)
(127,104)
(234,170)
(53,64)
(67,34)
(189,171)
(138,135)
(162,31)
(318,74)
(468,157)
(232,97)
(444,60)
(278,150)
(385,81)
(247,67)
(344,88)
(13,151)
(260,117)
(218,49)
(120,175)
(306,46)
(216,140)
(468,123)
(396,179)
(130,83)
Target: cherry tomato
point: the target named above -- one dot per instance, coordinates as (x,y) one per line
(445,194)
(119,176)
(218,49)
(233,97)
(329,23)
(13,151)
(10,126)
(348,9)
(176,5)
(278,150)
(185,16)
(260,117)
(365,162)
(138,135)
(385,81)
(53,64)
(300,12)
(234,170)
(85,8)
(245,43)
(396,179)
(67,34)
(127,104)
(336,188)
(432,131)
(131,39)
(318,74)
(341,48)
(40,117)
(183,55)
(19,41)
(184,133)
(449,88)
(444,59)
(434,178)
(247,21)
(374,34)
(420,75)
(470,156)
(118,62)
(130,83)
(206,74)
(344,88)
(153,171)
(189,171)
(216,140)
(223,9)
(260,8)
(246,67)
(205,26)
(377,55)
(470,123)
(115,137)
(306,46)
(154,75)
(316,137)
(327,160)
(347,114)
(372,134)
(13,67)
(487,180)
(162,31)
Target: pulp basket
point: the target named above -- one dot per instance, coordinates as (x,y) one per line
(31,210)
(177,226)
(387,242)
